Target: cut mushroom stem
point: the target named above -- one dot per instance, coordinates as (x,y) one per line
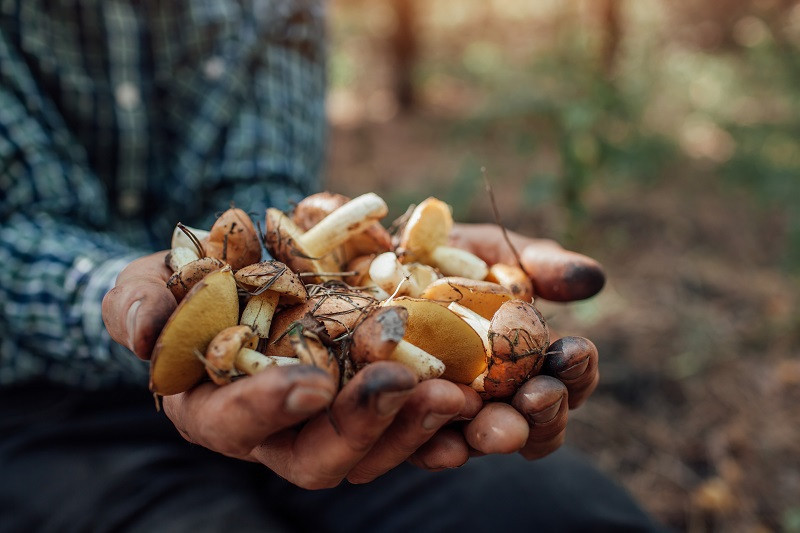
(457,262)
(476,322)
(227,356)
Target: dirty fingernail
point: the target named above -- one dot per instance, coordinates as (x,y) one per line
(574,371)
(389,403)
(130,324)
(547,414)
(307,400)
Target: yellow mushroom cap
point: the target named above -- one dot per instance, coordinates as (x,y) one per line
(427,228)
(483,297)
(443,334)
(211,306)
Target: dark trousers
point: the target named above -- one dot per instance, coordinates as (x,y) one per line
(77,461)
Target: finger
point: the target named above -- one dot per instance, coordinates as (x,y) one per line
(498,428)
(561,275)
(543,402)
(472,403)
(432,404)
(330,445)
(446,449)
(235,418)
(137,308)
(574,361)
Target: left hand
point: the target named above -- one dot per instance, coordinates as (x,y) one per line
(534,422)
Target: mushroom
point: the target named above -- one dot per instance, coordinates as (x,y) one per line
(230,354)
(358,276)
(442,333)
(182,281)
(425,237)
(388,273)
(483,297)
(516,340)
(211,306)
(309,252)
(512,278)
(310,350)
(233,239)
(374,239)
(380,337)
(338,308)
(268,282)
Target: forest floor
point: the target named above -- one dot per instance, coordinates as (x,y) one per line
(697,409)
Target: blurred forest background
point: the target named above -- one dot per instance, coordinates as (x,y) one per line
(663,139)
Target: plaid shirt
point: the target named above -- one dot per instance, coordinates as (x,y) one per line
(119,118)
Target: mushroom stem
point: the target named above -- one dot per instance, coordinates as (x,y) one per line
(457,262)
(336,228)
(424,365)
(252,362)
(259,311)
(389,274)
(181,256)
(182,239)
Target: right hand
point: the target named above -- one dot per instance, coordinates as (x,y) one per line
(290,419)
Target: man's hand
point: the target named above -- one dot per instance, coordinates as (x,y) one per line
(291,419)
(535,421)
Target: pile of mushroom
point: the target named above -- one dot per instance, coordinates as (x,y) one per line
(341,293)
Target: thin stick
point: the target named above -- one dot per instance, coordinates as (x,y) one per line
(497,219)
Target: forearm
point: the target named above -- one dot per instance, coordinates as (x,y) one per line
(52,283)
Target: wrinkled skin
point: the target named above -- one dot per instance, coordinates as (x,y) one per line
(292,420)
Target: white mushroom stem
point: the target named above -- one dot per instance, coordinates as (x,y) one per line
(181,256)
(423,364)
(181,239)
(259,311)
(336,228)
(457,262)
(476,322)
(390,275)
(251,362)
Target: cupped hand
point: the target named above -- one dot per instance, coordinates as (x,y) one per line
(290,419)
(534,421)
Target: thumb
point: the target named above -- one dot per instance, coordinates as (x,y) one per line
(139,305)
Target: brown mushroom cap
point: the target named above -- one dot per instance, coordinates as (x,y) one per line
(518,338)
(222,351)
(211,306)
(272,276)
(339,310)
(377,336)
(283,240)
(440,332)
(182,281)
(483,297)
(233,238)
